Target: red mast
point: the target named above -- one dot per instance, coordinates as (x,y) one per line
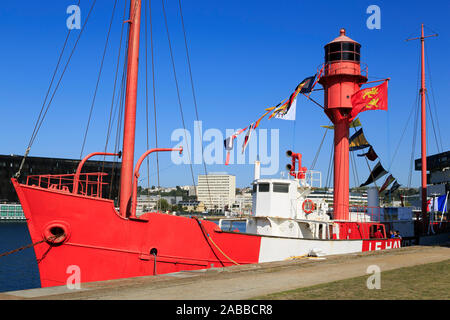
(423,129)
(126,177)
(342,77)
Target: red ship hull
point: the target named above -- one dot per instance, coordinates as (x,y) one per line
(102,245)
(106,246)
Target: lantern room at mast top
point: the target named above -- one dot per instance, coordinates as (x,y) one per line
(342,49)
(342,74)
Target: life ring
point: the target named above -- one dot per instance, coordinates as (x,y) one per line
(308,206)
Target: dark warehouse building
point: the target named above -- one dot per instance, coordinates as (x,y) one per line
(9,165)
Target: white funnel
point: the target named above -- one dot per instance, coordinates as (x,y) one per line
(373,199)
(257,169)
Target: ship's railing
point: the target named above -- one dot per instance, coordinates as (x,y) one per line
(313,178)
(361,213)
(89,184)
(438,222)
(331,68)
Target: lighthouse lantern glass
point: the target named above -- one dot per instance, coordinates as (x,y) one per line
(342,51)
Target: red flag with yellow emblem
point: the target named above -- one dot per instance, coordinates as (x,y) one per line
(374,98)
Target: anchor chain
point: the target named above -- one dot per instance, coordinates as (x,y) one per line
(31,245)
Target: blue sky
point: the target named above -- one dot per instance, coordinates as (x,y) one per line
(245,56)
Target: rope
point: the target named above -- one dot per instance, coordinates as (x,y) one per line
(215,245)
(207,236)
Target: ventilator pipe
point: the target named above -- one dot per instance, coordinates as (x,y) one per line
(291,167)
(76,178)
(136,175)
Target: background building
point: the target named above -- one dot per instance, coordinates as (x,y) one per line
(217,191)
(438,178)
(243,203)
(146,203)
(192,206)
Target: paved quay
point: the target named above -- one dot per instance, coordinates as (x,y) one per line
(240,282)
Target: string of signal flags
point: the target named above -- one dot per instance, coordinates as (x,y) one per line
(373,98)
(285,110)
(359,142)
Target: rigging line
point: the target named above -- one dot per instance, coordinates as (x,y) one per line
(357,176)
(178,92)
(355,169)
(368,166)
(313,164)
(193,95)
(98,79)
(329,166)
(314,101)
(427,27)
(293,135)
(432,123)
(146,99)
(163,169)
(413,147)
(403,133)
(119,124)
(51,82)
(353,166)
(111,112)
(154,99)
(414,104)
(64,70)
(432,94)
(371,173)
(120,106)
(27,151)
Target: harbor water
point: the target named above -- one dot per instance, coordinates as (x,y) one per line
(19,271)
